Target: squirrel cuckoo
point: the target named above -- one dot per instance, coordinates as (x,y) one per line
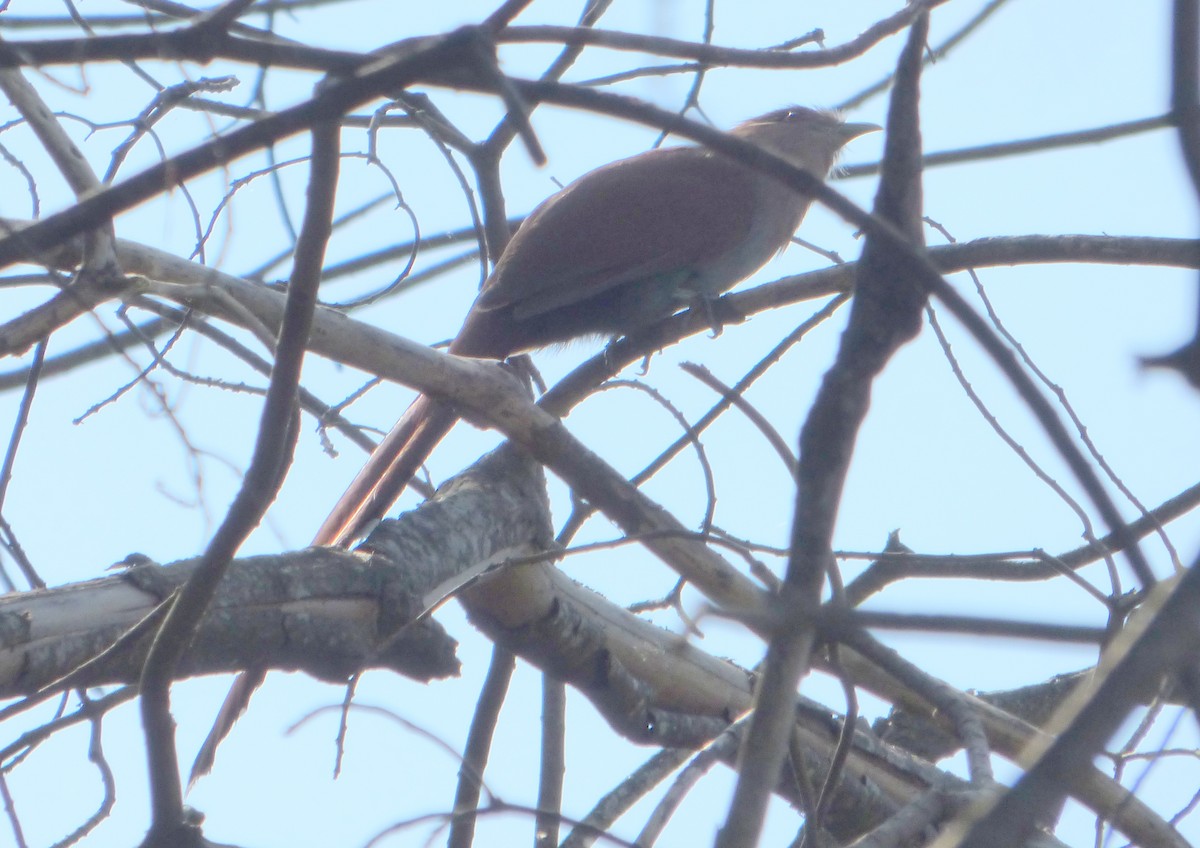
(615,251)
(618,249)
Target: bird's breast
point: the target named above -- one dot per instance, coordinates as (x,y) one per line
(775,214)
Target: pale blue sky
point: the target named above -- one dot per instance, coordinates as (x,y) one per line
(926,464)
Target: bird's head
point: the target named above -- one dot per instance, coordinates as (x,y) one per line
(808,138)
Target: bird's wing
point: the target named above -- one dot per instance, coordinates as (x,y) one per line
(672,209)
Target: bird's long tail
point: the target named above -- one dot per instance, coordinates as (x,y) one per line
(232,707)
(382,479)
(387,471)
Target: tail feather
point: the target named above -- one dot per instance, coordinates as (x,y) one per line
(231,710)
(387,471)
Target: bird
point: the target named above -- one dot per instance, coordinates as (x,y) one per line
(619,249)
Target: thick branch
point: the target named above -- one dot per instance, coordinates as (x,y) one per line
(324,612)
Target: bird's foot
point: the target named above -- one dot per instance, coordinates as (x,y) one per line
(717,312)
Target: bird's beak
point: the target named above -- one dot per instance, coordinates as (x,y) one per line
(850,131)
